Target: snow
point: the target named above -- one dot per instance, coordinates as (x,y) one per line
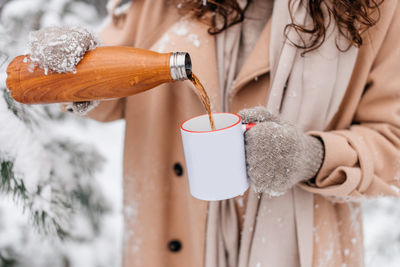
(272,193)
(60,48)
(194,39)
(163,42)
(20,145)
(20,8)
(19,136)
(382,232)
(240,202)
(85,11)
(395,188)
(346,252)
(292,94)
(104,250)
(180,29)
(116,6)
(108,138)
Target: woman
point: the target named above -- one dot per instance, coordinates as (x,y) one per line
(305,61)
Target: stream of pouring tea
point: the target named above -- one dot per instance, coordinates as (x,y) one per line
(204,98)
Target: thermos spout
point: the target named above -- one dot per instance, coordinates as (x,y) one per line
(180,66)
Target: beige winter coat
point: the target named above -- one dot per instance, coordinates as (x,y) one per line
(362,143)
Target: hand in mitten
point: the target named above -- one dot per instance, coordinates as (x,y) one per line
(278,155)
(60,49)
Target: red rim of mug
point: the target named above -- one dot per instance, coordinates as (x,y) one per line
(230,126)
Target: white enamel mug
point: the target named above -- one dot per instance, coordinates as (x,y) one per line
(215,160)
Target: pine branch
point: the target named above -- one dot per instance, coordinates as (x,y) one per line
(85,192)
(76,194)
(7,261)
(68,168)
(9,184)
(30,116)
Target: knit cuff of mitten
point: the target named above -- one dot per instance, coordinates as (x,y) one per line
(313,157)
(81,108)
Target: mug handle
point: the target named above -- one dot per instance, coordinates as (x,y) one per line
(247,126)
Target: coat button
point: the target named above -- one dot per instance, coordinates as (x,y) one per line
(174,245)
(178,169)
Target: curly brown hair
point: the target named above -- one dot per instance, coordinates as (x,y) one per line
(352,18)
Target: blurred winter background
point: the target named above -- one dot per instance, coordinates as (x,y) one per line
(60,175)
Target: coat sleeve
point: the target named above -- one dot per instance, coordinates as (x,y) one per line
(364,160)
(117,30)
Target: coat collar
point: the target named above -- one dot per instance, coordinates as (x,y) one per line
(257,63)
(190,35)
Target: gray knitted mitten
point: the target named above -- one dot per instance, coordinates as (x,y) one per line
(60,49)
(278,155)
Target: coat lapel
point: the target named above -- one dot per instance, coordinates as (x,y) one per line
(256,64)
(190,35)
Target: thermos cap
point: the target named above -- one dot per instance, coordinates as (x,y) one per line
(180,66)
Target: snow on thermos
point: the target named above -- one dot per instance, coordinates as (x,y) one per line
(103,73)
